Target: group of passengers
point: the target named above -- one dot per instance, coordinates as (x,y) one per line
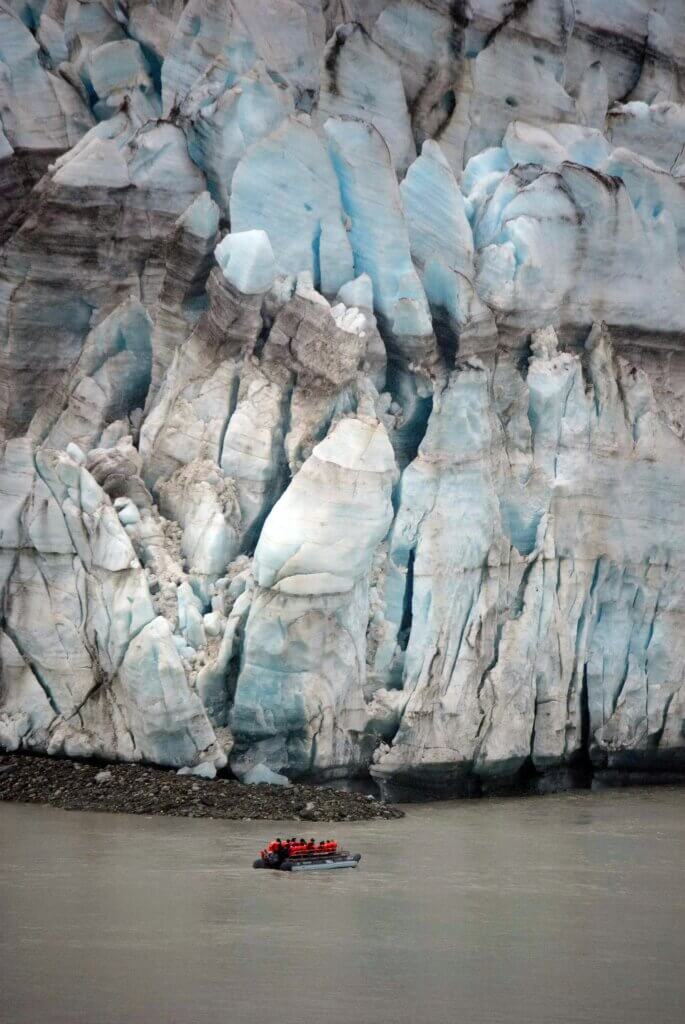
(281,849)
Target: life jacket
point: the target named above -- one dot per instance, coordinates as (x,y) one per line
(298,849)
(309,850)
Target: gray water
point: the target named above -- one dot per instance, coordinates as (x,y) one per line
(547,910)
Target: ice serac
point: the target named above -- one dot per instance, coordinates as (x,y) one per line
(247,260)
(441,243)
(285,185)
(41,111)
(299,702)
(189,416)
(532,634)
(426,42)
(378,233)
(342,369)
(222,122)
(362,82)
(88,669)
(199,43)
(109,381)
(311,370)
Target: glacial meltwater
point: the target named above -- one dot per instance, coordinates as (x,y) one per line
(550,910)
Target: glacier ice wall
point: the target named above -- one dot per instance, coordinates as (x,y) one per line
(342,367)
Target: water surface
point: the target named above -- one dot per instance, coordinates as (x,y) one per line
(550,910)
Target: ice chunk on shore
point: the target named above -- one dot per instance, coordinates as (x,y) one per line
(261,774)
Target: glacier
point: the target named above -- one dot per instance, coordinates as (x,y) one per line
(342,382)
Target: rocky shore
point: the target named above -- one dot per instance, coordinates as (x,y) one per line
(140,789)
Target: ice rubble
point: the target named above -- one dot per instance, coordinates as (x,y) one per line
(341,384)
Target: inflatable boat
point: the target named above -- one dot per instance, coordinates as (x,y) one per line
(305,855)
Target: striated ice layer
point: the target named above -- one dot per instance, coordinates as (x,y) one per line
(342,370)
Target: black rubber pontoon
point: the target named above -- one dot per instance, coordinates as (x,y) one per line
(342,860)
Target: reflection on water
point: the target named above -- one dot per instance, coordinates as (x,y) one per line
(526,911)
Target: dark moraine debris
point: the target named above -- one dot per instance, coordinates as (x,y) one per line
(141,789)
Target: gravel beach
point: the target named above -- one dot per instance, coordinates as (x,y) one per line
(140,789)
